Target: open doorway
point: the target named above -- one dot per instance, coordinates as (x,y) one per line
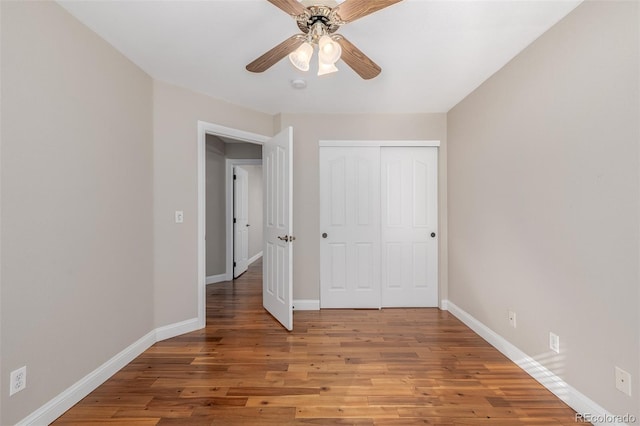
(233,206)
(277,223)
(205,129)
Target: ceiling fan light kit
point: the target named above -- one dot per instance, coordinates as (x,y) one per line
(328,54)
(319,20)
(329,50)
(324,69)
(301,57)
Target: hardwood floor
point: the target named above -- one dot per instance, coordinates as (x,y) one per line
(355,367)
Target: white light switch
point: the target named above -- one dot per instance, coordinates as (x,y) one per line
(179,216)
(554,342)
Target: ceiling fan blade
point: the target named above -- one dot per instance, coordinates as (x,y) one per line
(292,7)
(357,60)
(351,10)
(267,60)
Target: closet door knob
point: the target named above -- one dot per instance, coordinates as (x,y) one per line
(433,235)
(324,235)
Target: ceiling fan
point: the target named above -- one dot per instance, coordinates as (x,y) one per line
(319,20)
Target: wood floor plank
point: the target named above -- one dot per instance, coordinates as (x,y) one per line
(307,400)
(387,367)
(369,391)
(159,412)
(123,421)
(346,411)
(272,391)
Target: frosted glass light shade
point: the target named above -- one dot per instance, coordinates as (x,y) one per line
(328,50)
(326,68)
(301,56)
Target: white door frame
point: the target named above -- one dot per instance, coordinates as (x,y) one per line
(205,128)
(228,179)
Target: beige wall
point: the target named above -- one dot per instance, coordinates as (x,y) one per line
(306,221)
(243,151)
(76,173)
(176,113)
(543,200)
(216,244)
(255,209)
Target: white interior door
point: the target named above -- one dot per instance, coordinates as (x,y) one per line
(409,269)
(277,294)
(240,221)
(349,227)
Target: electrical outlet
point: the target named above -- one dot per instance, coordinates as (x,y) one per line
(179,216)
(623,381)
(18,380)
(554,342)
(512,319)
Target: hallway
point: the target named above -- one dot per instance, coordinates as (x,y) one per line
(364,367)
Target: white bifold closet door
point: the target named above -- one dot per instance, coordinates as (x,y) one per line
(378,225)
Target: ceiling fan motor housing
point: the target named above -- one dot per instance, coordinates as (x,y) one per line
(315,15)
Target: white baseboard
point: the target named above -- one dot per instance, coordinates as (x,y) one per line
(212,279)
(573,398)
(254,258)
(53,409)
(176,329)
(306,305)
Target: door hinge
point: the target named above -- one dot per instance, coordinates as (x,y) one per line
(234,264)
(234,220)
(234,177)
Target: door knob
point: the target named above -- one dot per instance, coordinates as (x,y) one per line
(433,235)
(248,225)
(285,238)
(324,235)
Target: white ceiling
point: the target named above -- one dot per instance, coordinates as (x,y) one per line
(432,53)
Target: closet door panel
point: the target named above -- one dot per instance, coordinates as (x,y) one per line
(409,219)
(349,227)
